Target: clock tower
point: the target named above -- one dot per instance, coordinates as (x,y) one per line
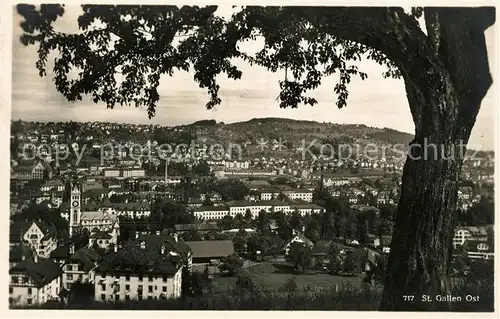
(75,209)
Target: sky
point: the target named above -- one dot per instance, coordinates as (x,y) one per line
(374,102)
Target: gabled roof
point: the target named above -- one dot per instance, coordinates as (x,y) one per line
(42,272)
(98,216)
(302,238)
(87,257)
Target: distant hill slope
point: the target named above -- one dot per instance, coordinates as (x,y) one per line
(294,131)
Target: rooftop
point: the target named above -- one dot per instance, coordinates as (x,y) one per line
(42,272)
(211,248)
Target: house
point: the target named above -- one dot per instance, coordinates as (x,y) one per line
(41,238)
(34,281)
(478,249)
(147,268)
(32,171)
(60,254)
(80,265)
(464,233)
(101,239)
(207,251)
(52,185)
(298,238)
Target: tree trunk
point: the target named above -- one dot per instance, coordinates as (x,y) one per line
(445,84)
(420,248)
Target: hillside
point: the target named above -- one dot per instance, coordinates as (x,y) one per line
(294,131)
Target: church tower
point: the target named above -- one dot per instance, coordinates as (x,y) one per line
(75,209)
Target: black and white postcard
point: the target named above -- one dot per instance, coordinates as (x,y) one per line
(251,157)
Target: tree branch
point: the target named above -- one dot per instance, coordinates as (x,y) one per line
(464,53)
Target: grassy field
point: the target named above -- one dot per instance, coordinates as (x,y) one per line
(273,276)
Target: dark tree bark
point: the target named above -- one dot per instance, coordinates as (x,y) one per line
(445,88)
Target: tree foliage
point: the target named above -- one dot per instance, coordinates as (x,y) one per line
(300,255)
(230,265)
(297,39)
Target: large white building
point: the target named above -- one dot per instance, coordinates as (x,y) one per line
(147,268)
(34,282)
(234,208)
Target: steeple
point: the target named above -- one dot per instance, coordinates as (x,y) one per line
(75,208)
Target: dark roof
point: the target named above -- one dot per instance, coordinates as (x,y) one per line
(211,248)
(201,227)
(473,245)
(156,241)
(95,192)
(87,257)
(61,252)
(133,258)
(42,272)
(23,169)
(17,252)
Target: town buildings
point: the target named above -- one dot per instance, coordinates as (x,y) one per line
(34,282)
(147,268)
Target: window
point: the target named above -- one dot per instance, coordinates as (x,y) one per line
(117,276)
(164,278)
(11,290)
(30,301)
(117,297)
(150,288)
(69,276)
(29,291)
(164,289)
(140,277)
(103,286)
(127,297)
(127,287)
(150,278)
(103,297)
(127,278)
(139,297)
